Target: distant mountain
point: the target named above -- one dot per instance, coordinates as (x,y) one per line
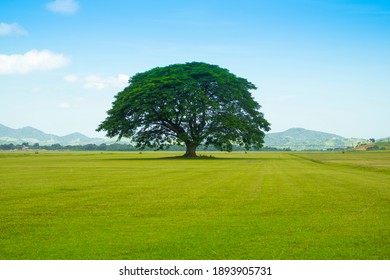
(295,139)
(78,138)
(32,135)
(302,139)
(387,139)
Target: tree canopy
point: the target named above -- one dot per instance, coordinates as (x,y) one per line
(193,103)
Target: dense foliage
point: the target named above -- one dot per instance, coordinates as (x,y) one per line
(192,104)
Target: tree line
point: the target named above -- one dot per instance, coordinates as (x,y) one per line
(119,147)
(58,147)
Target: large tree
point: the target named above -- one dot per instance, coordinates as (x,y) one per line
(192,104)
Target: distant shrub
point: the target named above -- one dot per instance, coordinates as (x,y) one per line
(373,148)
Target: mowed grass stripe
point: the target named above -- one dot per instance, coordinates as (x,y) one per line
(144,206)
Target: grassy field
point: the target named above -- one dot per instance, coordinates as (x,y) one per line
(235,206)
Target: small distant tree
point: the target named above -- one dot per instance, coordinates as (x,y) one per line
(55,147)
(192,104)
(372,140)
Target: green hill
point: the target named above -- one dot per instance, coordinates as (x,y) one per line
(383,145)
(299,139)
(32,135)
(296,139)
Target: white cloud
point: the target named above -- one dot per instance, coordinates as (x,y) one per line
(64,105)
(71,78)
(100,83)
(66,7)
(11,29)
(95,82)
(70,104)
(31,61)
(122,80)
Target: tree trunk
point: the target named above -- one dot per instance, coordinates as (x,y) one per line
(190,150)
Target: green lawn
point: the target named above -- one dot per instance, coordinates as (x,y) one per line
(236,206)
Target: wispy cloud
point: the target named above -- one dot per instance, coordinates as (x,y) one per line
(99,83)
(64,105)
(71,78)
(95,82)
(66,7)
(30,61)
(70,103)
(12,29)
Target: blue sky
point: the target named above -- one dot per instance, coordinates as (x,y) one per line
(321,65)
